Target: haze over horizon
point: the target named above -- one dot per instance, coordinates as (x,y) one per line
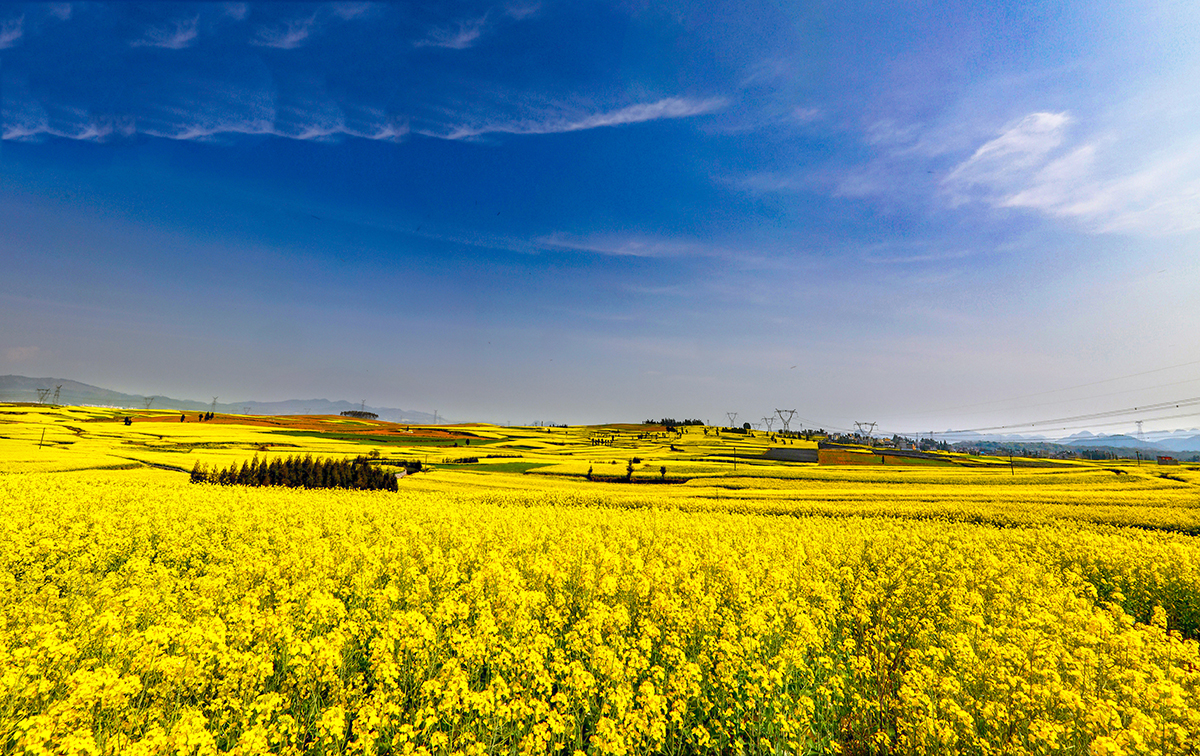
(933,215)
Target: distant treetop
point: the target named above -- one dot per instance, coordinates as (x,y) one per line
(360,414)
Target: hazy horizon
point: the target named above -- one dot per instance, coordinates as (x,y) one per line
(929,216)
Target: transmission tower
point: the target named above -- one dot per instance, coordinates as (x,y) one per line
(867,429)
(56,390)
(214,406)
(362,406)
(147,401)
(785,420)
(732,418)
(768,421)
(42,394)
(1141,436)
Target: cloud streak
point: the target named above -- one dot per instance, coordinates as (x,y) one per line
(214,113)
(175,36)
(11,31)
(288,36)
(459,37)
(669,108)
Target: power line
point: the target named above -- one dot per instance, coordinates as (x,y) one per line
(1069,427)
(1193,401)
(1060,390)
(1099,396)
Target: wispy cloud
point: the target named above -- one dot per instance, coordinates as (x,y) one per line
(11,31)
(349,11)
(175,36)
(521,11)
(1006,160)
(558,123)
(623,246)
(288,36)
(458,37)
(210,112)
(1106,182)
(237,11)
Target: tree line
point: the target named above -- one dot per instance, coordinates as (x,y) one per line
(304,472)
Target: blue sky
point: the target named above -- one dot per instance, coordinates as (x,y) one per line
(928,215)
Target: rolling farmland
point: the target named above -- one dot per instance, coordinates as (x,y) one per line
(537,590)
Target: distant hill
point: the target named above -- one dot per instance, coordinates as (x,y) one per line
(1191,443)
(19,388)
(1124,442)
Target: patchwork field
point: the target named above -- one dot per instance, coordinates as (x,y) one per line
(606,590)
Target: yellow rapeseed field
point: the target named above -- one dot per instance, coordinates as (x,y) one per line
(779,610)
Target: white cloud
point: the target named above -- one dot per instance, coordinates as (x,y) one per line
(289,36)
(211,112)
(11,31)
(521,11)
(61,11)
(558,123)
(349,11)
(237,11)
(806,115)
(1105,183)
(622,246)
(28,120)
(175,36)
(460,37)
(1004,162)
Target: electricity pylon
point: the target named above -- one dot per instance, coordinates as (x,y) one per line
(787,419)
(732,418)
(867,429)
(42,394)
(768,421)
(147,401)
(56,390)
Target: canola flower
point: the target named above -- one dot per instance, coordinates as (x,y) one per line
(150,616)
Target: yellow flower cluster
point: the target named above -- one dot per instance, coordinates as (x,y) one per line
(154,617)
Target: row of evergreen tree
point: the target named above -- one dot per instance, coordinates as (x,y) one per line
(301,472)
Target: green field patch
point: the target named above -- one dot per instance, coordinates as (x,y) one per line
(500,467)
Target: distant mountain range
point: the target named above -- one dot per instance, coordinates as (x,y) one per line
(18,388)
(1178,441)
